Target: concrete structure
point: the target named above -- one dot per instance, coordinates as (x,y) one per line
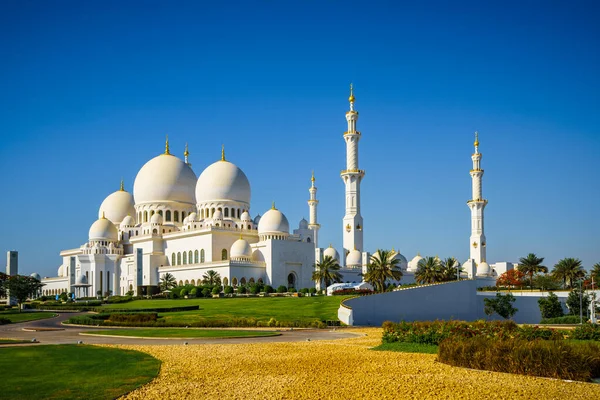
(12,269)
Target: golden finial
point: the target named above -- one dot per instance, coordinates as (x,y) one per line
(351,98)
(273,206)
(476,144)
(122,189)
(103,217)
(186,152)
(222,152)
(167,145)
(312,179)
(330,246)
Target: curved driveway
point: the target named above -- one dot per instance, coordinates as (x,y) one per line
(71,334)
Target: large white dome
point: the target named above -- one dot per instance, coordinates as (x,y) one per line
(117,206)
(165,178)
(223,181)
(240,249)
(331,252)
(354,258)
(103,229)
(484,269)
(273,222)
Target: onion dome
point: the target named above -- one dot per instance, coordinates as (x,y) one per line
(414,263)
(303,224)
(156,219)
(273,222)
(245,217)
(223,181)
(82,280)
(103,229)
(165,178)
(354,259)
(117,206)
(36,276)
(331,252)
(193,217)
(240,250)
(128,222)
(483,269)
(402,262)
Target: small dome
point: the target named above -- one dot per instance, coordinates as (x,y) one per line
(165,178)
(218,215)
(223,181)
(240,249)
(414,263)
(128,221)
(103,229)
(483,269)
(36,276)
(156,219)
(354,258)
(186,220)
(81,280)
(257,219)
(193,217)
(303,224)
(331,252)
(246,217)
(61,271)
(117,206)
(273,222)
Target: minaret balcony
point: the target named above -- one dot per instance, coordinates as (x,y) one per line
(360,172)
(352,133)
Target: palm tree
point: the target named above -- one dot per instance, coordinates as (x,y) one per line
(450,268)
(327,270)
(429,270)
(568,270)
(531,265)
(595,273)
(167,282)
(211,278)
(383,267)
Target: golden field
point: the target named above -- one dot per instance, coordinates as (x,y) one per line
(337,369)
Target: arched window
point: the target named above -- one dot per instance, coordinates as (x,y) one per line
(160,213)
(202,213)
(202,255)
(182,215)
(243,281)
(291,280)
(251,280)
(178,258)
(260,280)
(145,216)
(249,227)
(212,212)
(232,212)
(193,282)
(184,258)
(173,259)
(225,281)
(190,256)
(180,283)
(239,213)
(151,212)
(176,216)
(224,254)
(308,240)
(234,281)
(187,282)
(195,256)
(168,216)
(226,212)
(154,231)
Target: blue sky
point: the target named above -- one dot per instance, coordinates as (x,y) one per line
(89,90)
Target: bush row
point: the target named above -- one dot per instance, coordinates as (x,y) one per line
(567,319)
(548,358)
(100,309)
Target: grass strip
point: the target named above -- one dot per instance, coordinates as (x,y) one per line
(184,333)
(405,347)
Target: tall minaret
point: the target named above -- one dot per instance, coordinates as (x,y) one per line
(352,176)
(312,206)
(477,205)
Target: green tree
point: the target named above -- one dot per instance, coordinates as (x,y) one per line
(545,282)
(550,306)
(429,270)
(595,273)
(383,267)
(211,278)
(531,265)
(167,282)
(327,271)
(501,305)
(21,287)
(574,299)
(450,268)
(568,270)
(3,278)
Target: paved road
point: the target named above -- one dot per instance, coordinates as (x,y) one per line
(70,334)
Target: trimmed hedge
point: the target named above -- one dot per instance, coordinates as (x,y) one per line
(547,358)
(567,319)
(121,310)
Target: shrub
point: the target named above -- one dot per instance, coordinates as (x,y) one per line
(206,292)
(4,321)
(183,292)
(312,290)
(228,289)
(133,317)
(567,319)
(119,299)
(292,290)
(173,295)
(255,289)
(534,332)
(216,290)
(546,358)
(501,305)
(194,292)
(586,332)
(573,302)
(281,289)
(550,306)
(241,289)
(345,292)
(269,289)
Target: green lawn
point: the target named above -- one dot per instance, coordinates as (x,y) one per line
(304,309)
(405,347)
(73,372)
(25,316)
(13,341)
(184,333)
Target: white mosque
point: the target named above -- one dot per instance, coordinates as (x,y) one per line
(178,223)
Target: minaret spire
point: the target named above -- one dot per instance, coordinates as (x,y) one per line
(122,189)
(477,205)
(312,207)
(352,177)
(223,152)
(167,145)
(186,154)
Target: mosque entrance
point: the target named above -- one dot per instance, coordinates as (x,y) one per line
(292,281)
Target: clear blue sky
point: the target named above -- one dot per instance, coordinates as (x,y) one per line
(89,90)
